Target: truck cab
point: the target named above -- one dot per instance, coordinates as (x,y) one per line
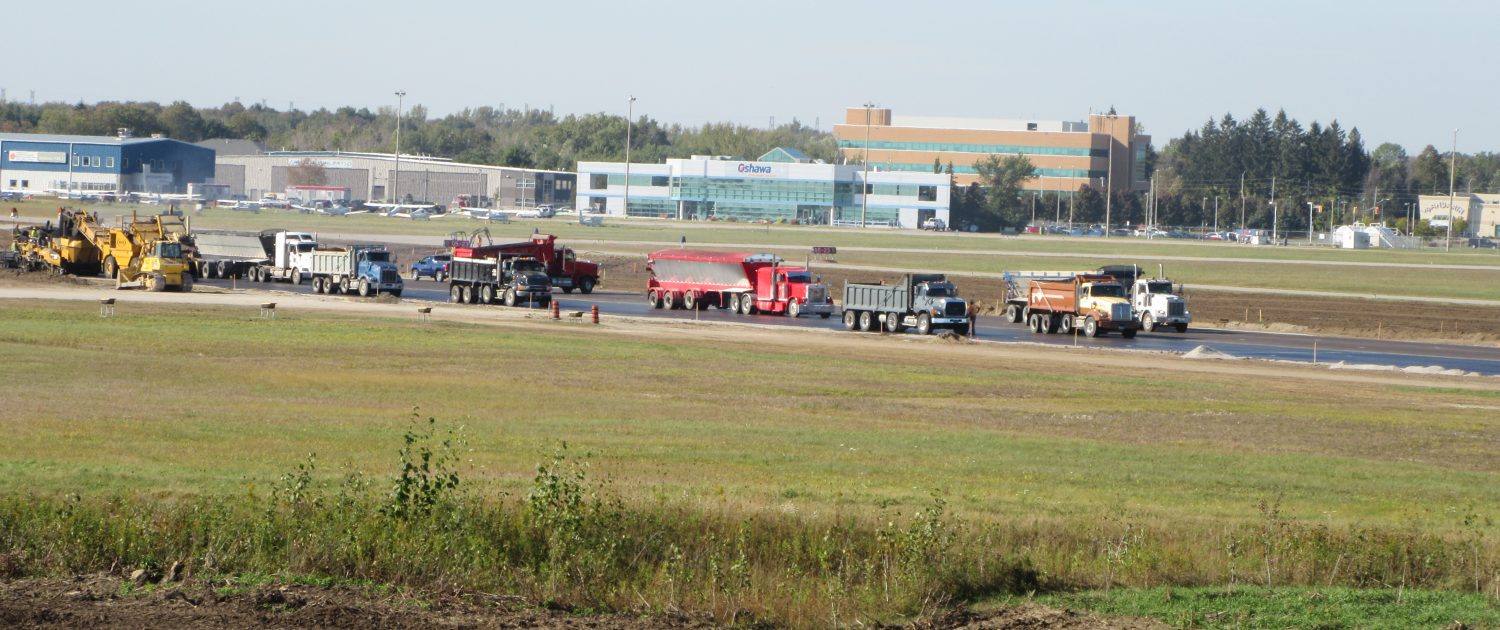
(941,302)
(1105,299)
(373,266)
(524,280)
(791,291)
(1157,304)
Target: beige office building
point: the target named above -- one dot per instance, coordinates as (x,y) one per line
(1067,155)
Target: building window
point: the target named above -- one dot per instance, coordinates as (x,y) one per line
(927,193)
(658,180)
(98,161)
(25,183)
(109,162)
(869,188)
(598,181)
(1031,126)
(563,184)
(75,160)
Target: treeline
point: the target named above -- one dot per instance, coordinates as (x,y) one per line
(484,135)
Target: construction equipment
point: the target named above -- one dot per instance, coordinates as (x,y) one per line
(145,253)
(56,246)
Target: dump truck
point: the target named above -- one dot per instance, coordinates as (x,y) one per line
(229,254)
(921,301)
(485,277)
(1051,302)
(1157,305)
(287,256)
(363,269)
(563,267)
(743,282)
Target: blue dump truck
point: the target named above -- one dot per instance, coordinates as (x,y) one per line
(363,269)
(920,301)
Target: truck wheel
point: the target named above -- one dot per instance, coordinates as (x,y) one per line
(295,277)
(654,299)
(747,304)
(1053,322)
(454,296)
(1013,313)
(1182,328)
(111,268)
(1091,327)
(1065,324)
(396,293)
(1128,333)
(867,321)
(567,289)
(924,324)
(824,315)
(586,285)
(689,301)
(364,288)
(851,320)
(487,294)
(510,297)
(893,323)
(793,309)
(317,285)
(1148,322)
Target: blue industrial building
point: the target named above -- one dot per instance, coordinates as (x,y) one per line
(56,164)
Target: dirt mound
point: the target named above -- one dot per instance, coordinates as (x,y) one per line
(1205,352)
(18,277)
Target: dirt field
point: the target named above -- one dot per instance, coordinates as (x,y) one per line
(112,601)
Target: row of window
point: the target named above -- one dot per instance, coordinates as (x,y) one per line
(25,183)
(708,188)
(84,161)
(746,210)
(956,147)
(62,184)
(969,170)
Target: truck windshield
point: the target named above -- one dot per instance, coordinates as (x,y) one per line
(940,290)
(378,256)
(529,265)
(169,250)
(1107,290)
(799,278)
(1159,287)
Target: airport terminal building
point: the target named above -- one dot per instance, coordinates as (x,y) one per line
(59,164)
(780,185)
(1068,155)
(369,177)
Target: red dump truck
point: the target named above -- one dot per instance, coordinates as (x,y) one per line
(739,281)
(563,266)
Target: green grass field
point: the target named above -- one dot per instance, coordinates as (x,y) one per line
(1078,474)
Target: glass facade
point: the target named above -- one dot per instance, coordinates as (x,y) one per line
(951,147)
(652,208)
(969,170)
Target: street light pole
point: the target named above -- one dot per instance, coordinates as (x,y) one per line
(1309,222)
(864,172)
(1109,186)
(396,179)
(629,121)
(1216,214)
(1452,166)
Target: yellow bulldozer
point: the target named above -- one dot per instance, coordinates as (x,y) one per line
(141,253)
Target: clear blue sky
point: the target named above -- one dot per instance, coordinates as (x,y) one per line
(1406,72)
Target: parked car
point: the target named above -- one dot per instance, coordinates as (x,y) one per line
(435,267)
(934,224)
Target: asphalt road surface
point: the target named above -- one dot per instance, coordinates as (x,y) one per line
(1239,343)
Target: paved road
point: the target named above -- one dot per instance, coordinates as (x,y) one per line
(1248,344)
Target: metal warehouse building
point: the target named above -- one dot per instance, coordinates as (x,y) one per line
(368,177)
(42,163)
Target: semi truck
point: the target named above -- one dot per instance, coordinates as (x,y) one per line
(562,264)
(1157,305)
(743,282)
(1051,302)
(485,277)
(921,301)
(227,254)
(363,269)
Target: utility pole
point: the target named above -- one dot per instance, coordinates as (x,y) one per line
(864,172)
(396,179)
(1309,222)
(1033,208)
(1242,199)
(629,121)
(1109,186)
(1216,214)
(1452,169)
(1275,213)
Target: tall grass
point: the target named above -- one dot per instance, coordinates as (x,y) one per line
(572,542)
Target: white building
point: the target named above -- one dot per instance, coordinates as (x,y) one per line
(1481,211)
(780,185)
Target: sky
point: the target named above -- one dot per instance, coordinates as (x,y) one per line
(1403,72)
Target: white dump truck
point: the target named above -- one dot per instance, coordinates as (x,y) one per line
(1158,304)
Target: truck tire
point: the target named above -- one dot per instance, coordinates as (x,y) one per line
(689,300)
(868,321)
(1182,328)
(586,285)
(824,315)
(962,330)
(747,304)
(1013,313)
(1065,324)
(317,286)
(1053,322)
(1091,327)
(295,277)
(487,294)
(793,309)
(568,290)
(364,288)
(654,299)
(851,320)
(893,323)
(668,301)
(924,324)
(396,293)
(1148,322)
(1128,333)
(111,268)
(510,296)
(454,297)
